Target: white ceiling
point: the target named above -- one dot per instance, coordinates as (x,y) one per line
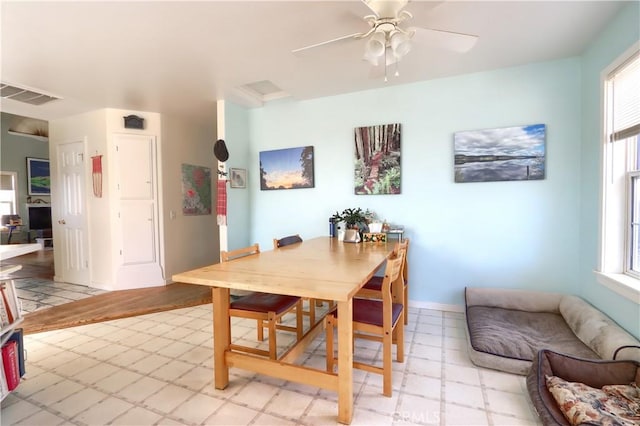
(180,57)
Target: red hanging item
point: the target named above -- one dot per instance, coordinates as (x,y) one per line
(97,175)
(221,209)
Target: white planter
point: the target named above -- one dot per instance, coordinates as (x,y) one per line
(352,236)
(375,227)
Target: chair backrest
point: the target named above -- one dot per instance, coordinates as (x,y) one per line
(226,256)
(392,273)
(286,241)
(404,245)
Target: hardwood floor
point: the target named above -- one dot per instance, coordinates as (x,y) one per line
(115,305)
(38,264)
(51,305)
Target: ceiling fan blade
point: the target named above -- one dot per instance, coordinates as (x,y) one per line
(312,46)
(448,40)
(385,8)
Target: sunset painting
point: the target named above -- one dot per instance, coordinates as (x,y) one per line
(509,153)
(286,168)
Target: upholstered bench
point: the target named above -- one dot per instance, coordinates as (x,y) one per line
(507,328)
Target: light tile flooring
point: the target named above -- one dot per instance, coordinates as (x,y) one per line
(157,369)
(38,293)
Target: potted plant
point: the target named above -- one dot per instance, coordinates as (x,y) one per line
(355,220)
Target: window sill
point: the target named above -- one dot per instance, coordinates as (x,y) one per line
(625,285)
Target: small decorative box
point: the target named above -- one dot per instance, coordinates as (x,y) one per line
(374,237)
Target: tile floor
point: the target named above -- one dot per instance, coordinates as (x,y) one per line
(157,369)
(38,293)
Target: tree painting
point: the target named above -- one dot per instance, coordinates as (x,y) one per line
(288,168)
(377,159)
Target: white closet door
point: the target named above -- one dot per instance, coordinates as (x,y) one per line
(137,210)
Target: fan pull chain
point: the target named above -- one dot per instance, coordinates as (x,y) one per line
(385,62)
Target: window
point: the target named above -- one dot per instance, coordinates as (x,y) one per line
(620,240)
(8,196)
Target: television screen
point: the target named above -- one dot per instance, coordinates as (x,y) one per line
(39,217)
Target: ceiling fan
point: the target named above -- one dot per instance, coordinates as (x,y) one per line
(387,41)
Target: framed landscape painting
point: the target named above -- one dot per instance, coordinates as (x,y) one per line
(288,168)
(377,159)
(38,176)
(509,153)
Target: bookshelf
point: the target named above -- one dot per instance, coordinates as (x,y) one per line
(10,319)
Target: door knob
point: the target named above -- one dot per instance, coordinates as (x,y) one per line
(62,222)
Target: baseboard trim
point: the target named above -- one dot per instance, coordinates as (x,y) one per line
(435,306)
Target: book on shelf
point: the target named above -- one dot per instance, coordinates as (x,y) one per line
(4,316)
(10,364)
(4,389)
(10,301)
(17,336)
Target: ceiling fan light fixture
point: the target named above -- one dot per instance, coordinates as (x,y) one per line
(373,60)
(400,44)
(376,44)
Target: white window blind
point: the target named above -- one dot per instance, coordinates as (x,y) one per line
(625,92)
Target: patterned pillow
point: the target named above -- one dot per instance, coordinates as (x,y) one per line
(613,405)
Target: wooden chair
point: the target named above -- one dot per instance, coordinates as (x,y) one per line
(371,290)
(266,308)
(378,320)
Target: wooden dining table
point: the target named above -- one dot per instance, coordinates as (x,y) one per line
(320,268)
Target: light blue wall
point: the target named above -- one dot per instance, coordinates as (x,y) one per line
(615,40)
(239,204)
(508,234)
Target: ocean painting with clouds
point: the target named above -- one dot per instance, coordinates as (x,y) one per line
(509,153)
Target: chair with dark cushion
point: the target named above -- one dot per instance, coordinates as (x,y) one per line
(373,287)
(591,372)
(377,320)
(266,308)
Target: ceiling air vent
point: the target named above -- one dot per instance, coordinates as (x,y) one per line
(29,96)
(262,91)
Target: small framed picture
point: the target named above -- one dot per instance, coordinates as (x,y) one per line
(238,178)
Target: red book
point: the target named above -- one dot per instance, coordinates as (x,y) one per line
(10,364)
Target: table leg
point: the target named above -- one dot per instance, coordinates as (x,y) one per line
(221,336)
(345,361)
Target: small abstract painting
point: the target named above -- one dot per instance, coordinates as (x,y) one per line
(509,153)
(196,190)
(288,168)
(38,176)
(377,159)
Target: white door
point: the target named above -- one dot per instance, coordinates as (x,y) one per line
(136,189)
(72,218)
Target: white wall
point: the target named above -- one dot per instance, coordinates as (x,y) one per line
(521,234)
(190,241)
